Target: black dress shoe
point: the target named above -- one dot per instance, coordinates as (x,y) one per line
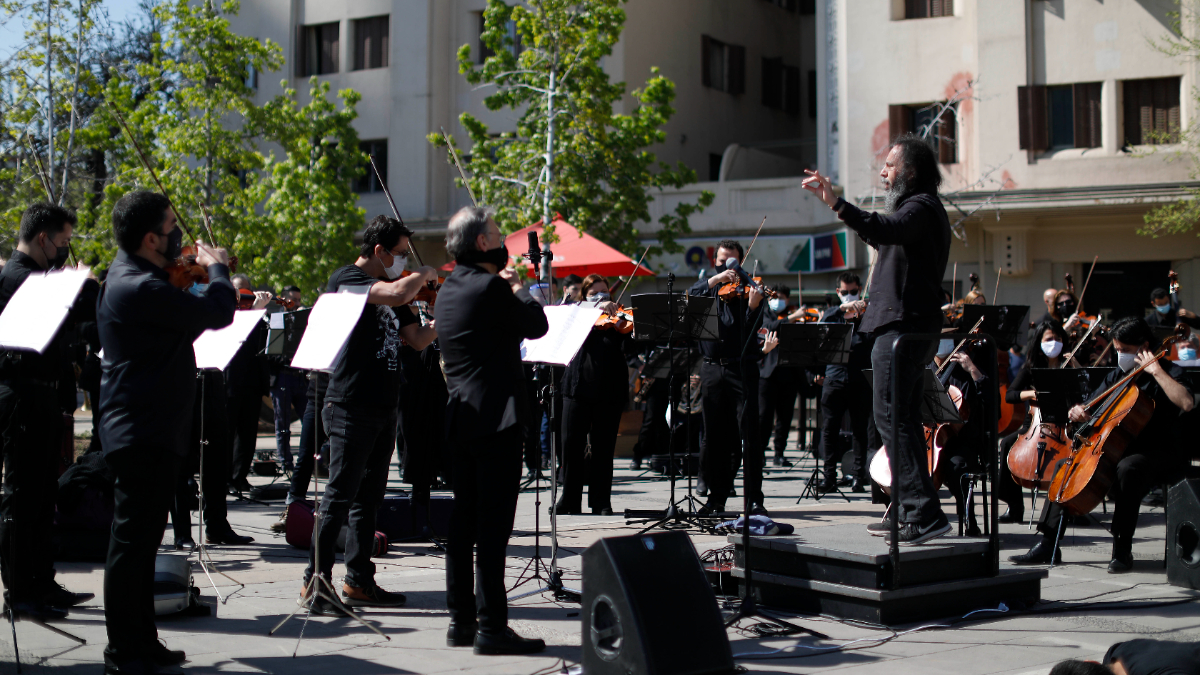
(845,481)
(507,642)
(1010,516)
(239,487)
(635,465)
(36,610)
(780,461)
(162,656)
(58,596)
(142,666)
(710,510)
(229,538)
(858,486)
(757,509)
(461,636)
(188,545)
(1038,555)
(606,511)
(972,530)
(1121,564)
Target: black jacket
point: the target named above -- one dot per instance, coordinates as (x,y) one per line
(913,245)
(735,322)
(1169,320)
(769,365)
(599,372)
(481,324)
(147,327)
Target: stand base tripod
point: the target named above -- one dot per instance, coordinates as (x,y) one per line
(209,567)
(813,490)
(14,616)
(319,587)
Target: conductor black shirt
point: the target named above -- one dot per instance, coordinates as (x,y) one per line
(369,371)
(735,322)
(147,326)
(913,245)
(481,324)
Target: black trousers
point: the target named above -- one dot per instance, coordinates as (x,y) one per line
(487,479)
(655,434)
(212,428)
(776,408)
(836,401)
(910,474)
(243,429)
(144,488)
(1137,474)
(306,458)
(361,441)
(288,396)
(959,458)
(599,421)
(730,429)
(30,437)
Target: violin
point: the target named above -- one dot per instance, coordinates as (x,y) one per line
(805,315)
(184,271)
(741,289)
(427,294)
(246,299)
(620,321)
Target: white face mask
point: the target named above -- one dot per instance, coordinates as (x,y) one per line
(397,267)
(776,304)
(1052,348)
(1163,309)
(848,297)
(1126,361)
(944,348)
(1186,353)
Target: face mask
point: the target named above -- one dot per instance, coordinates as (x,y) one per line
(777,305)
(497,256)
(945,347)
(599,297)
(1187,353)
(397,267)
(1163,309)
(1066,309)
(174,244)
(848,297)
(1052,348)
(198,289)
(1126,361)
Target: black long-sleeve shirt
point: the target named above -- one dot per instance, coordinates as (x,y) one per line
(147,327)
(735,322)
(913,245)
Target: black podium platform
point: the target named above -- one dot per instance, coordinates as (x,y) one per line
(843,571)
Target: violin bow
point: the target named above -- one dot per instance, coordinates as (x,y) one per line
(996,289)
(396,212)
(41,174)
(1084,339)
(636,265)
(958,347)
(760,227)
(954,281)
(1079,307)
(150,169)
(458,165)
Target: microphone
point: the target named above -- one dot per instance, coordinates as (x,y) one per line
(535,253)
(732,264)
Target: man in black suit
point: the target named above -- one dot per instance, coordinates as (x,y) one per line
(360,411)
(845,390)
(483,315)
(729,381)
(912,244)
(148,385)
(778,385)
(32,403)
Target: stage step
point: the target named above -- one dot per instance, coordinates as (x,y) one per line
(844,571)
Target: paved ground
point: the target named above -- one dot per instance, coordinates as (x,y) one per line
(234,638)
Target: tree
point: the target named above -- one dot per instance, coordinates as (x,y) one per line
(570,153)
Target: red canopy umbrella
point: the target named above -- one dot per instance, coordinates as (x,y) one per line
(576,253)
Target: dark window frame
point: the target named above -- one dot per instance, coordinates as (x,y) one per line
(1151,105)
(928,9)
(1035,116)
(368,183)
(910,118)
(318,49)
(733,65)
(372,42)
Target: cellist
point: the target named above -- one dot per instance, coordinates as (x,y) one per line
(1149,458)
(961,451)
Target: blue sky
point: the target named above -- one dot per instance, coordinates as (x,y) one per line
(10,35)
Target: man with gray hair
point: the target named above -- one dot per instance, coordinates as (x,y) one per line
(483,315)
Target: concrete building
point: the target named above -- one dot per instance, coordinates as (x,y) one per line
(745,72)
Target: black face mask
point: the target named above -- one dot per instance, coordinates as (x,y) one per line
(497,256)
(1066,309)
(60,258)
(174,244)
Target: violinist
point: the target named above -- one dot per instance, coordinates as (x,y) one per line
(1167,314)
(288,396)
(778,385)
(595,389)
(485,313)
(147,389)
(913,245)
(845,389)
(247,381)
(1047,351)
(961,451)
(1152,456)
(359,412)
(31,409)
(729,386)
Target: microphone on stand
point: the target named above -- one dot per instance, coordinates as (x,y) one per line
(534,254)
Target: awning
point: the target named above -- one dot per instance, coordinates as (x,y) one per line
(576,253)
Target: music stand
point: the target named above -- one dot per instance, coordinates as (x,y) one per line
(30,321)
(660,366)
(806,345)
(1006,323)
(333,319)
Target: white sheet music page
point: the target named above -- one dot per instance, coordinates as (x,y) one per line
(38,308)
(569,327)
(329,327)
(215,348)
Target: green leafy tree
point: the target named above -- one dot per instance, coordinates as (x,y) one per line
(570,153)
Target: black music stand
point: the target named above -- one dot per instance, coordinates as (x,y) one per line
(806,345)
(660,366)
(673,318)
(1006,323)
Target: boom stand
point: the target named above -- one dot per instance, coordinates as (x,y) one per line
(201,550)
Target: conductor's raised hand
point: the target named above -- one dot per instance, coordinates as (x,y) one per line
(207,255)
(820,186)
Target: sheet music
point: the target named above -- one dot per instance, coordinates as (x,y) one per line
(570,325)
(215,348)
(38,309)
(329,327)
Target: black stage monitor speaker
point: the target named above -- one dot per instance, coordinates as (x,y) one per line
(649,610)
(1183,534)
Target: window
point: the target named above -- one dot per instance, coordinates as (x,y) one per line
(941,131)
(722,66)
(1062,116)
(780,86)
(714,167)
(513,35)
(1151,110)
(317,49)
(927,9)
(371,43)
(368,183)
